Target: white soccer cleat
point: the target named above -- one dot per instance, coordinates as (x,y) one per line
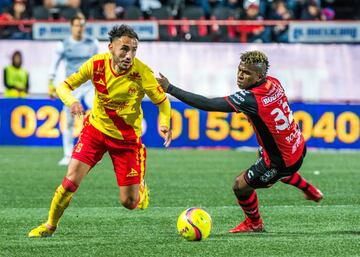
(64,161)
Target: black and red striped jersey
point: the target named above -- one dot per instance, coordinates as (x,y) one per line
(267,109)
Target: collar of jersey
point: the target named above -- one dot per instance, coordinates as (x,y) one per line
(257,84)
(121,73)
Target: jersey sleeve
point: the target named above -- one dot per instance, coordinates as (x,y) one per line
(96,46)
(81,76)
(59,55)
(151,87)
(243,101)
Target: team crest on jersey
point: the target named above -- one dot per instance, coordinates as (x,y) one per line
(132,90)
(134,76)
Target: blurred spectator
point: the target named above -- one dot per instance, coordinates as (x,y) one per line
(109,11)
(5,5)
(175,6)
(262,5)
(5,15)
(91,8)
(147,5)
(234,4)
(70,9)
(16,78)
(311,11)
(280,12)
(328,14)
(255,33)
(4,30)
(209,5)
(17,13)
(46,11)
(299,6)
(125,3)
(55,9)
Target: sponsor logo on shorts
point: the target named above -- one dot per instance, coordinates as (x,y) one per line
(268,175)
(132,173)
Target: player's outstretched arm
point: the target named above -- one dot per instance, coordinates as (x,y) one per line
(217,104)
(164,121)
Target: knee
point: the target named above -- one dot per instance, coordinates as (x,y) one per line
(129,202)
(237,184)
(240,186)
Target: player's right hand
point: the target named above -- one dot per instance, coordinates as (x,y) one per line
(77,110)
(52,90)
(164,82)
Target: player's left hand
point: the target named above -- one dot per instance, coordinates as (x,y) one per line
(164,82)
(168,135)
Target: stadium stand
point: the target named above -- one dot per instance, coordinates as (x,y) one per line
(188,20)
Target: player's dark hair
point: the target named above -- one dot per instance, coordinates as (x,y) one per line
(258,60)
(122,30)
(77,16)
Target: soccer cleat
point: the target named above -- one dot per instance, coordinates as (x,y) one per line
(313,194)
(41,231)
(64,161)
(249,226)
(144,196)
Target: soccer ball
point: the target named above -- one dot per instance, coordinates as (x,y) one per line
(194,224)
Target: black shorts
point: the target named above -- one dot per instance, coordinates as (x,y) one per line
(260,175)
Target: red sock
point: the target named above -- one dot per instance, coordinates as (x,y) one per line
(297,181)
(68,185)
(249,204)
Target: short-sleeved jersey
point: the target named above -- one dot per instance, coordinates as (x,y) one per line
(117,105)
(74,53)
(267,108)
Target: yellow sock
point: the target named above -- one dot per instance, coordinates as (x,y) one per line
(58,205)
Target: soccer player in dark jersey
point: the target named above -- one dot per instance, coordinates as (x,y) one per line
(282,147)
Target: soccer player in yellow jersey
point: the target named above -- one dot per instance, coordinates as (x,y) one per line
(114,124)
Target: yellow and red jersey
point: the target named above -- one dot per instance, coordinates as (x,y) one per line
(117,105)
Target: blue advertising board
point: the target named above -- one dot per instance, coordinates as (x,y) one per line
(39,123)
(324,32)
(148,30)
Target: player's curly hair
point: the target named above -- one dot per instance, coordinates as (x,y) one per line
(122,30)
(258,60)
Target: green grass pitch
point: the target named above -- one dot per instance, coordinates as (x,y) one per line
(96,225)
